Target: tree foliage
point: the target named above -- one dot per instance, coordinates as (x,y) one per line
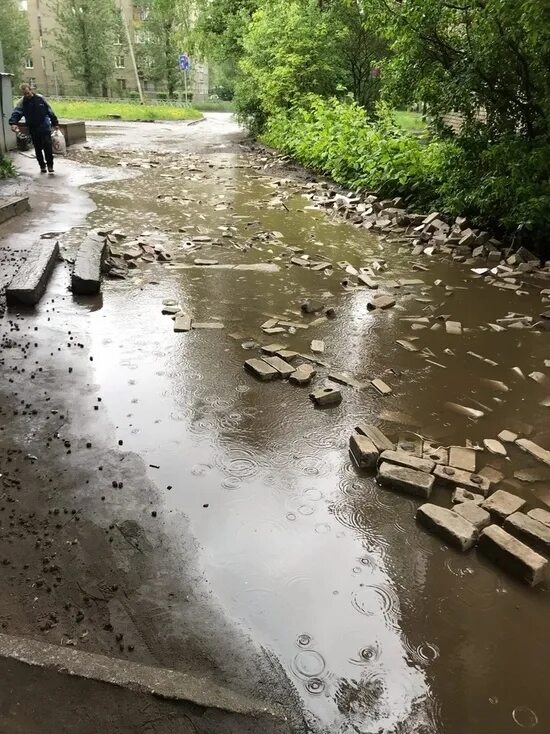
(14,35)
(86,40)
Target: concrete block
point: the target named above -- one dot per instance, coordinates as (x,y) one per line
(455,530)
(460,478)
(536,534)
(261,369)
(462,458)
(508,436)
(381,301)
(326,396)
(13,207)
(463,495)
(494,447)
(283,368)
(542,516)
(363,451)
(381,386)
(303,374)
(502,503)
(30,281)
(405,479)
(272,349)
(513,555)
(453,327)
(472,512)
(532,448)
(404,459)
(182,322)
(381,442)
(86,278)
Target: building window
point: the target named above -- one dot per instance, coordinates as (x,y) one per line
(119,62)
(23,5)
(44,63)
(39,19)
(42,41)
(119,40)
(121,85)
(29,63)
(31,82)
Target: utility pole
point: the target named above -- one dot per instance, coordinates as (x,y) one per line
(132,54)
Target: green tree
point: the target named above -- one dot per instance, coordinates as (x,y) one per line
(86,40)
(469,55)
(164,34)
(14,35)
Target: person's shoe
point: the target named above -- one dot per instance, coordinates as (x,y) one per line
(50,170)
(42,170)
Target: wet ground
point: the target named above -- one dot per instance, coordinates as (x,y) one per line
(243,490)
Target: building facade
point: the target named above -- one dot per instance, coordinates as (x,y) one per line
(46,72)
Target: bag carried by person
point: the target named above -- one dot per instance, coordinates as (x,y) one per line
(23,140)
(58,143)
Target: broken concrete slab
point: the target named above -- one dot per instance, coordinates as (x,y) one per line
(541,515)
(208,325)
(381,442)
(317,346)
(493,475)
(534,449)
(272,348)
(326,396)
(473,482)
(494,447)
(453,327)
(363,451)
(502,503)
(529,530)
(283,368)
(464,495)
(303,374)
(507,436)
(405,479)
(513,555)
(86,277)
(344,379)
(182,322)
(454,529)
(380,302)
(205,263)
(367,281)
(381,386)
(261,369)
(404,459)
(472,512)
(30,281)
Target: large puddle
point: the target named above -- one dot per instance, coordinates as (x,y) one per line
(380,626)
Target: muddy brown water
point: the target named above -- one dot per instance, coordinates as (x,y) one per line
(379,626)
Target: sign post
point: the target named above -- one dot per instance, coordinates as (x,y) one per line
(185,65)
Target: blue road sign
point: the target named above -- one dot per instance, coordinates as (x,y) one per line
(184,62)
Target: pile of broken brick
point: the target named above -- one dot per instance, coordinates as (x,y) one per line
(491,518)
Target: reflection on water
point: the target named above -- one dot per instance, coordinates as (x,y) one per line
(381,628)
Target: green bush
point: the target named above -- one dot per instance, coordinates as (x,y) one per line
(503,183)
(133,95)
(6,168)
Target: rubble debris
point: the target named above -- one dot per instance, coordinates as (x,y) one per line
(542,516)
(272,349)
(325,396)
(508,436)
(344,379)
(182,322)
(311,306)
(472,512)
(261,369)
(462,458)
(208,325)
(464,410)
(363,451)
(512,555)
(405,479)
(403,459)
(381,386)
(86,277)
(380,302)
(502,503)
(317,346)
(532,448)
(381,442)
(455,530)
(453,327)
(30,281)
(460,478)
(283,368)
(529,530)
(464,495)
(494,447)
(303,374)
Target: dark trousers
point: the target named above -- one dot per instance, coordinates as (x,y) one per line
(42,142)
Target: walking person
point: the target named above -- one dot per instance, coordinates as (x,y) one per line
(39,118)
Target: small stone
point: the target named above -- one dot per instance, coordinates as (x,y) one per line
(454,529)
(317,346)
(542,516)
(303,374)
(363,451)
(171,310)
(381,386)
(405,479)
(462,458)
(536,534)
(261,369)
(453,327)
(326,396)
(508,436)
(512,555)
(502,503)
(182,323)
(404,459)
(494,447)
(463,495)
(472,512)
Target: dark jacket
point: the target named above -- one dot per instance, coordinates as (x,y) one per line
(39,116)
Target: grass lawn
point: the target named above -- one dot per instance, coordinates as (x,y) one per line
(94,110)
(411,121)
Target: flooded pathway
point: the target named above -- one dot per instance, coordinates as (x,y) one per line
(378,625)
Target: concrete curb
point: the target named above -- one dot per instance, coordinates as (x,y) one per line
(13,207)
(167,684)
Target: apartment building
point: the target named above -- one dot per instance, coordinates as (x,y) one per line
(47,73)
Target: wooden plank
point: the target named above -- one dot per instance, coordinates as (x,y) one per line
(31,279)
(86,278)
